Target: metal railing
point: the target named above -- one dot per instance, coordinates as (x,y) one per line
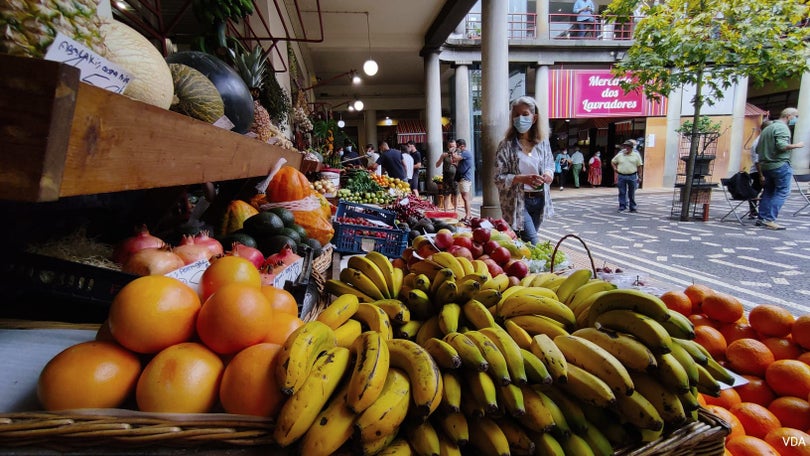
(523,26)
(520,26)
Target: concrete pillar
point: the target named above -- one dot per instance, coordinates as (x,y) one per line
(463,112)
(541,75)
(737,128)
(433,112)
(800,158)
(370,116)
(671,153)
(542,20)
(494,95)
(461,28)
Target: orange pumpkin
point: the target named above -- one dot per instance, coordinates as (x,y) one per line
(288,184)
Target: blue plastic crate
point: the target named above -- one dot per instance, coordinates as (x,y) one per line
(351,238)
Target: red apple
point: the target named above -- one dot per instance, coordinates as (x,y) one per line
(517,268)
(480,235)
(501,255)
(475,222)
(493,267)
(425,249)
(501,225)
(407,253)
(443,239)
(513,281)
(490,245)
(460,251)
(463,241)
(477,250)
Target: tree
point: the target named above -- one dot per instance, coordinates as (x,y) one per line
(711,44)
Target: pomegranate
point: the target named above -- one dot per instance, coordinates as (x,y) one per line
(142,239)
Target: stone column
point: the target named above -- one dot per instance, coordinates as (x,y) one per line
(542,20)
(671,151)
(370,116)
(494,95)
(800,158)
(541,76)
(737,129)
(433,112)
(463,112)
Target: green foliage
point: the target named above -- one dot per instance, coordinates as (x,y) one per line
(275,99)
(704,125)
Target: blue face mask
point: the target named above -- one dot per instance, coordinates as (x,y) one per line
(523,123)
(792,121)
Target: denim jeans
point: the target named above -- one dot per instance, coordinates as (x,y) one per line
(532,216)
(775,191)
(627,190)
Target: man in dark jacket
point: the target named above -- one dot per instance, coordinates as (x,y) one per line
(391,162)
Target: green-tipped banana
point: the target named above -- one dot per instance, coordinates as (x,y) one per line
(689,365)
(498,369)
(679,326)
(707,384)
(570,408)
(599,443)
(672,374)
(576,446)
(536,370)
(694,349)
(634,355)
(511,352)
(538,417)
(628,299)
(639,412)
(548,445)
(644,328)
(666,402)
(596,360)
(562,428)
(573,281)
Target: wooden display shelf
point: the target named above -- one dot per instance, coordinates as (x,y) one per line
(60,137)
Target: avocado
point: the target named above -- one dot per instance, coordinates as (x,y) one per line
(292,234)
(273,244)
(316,246)
(237,236)
(286,215)
(302,233)
(263,224)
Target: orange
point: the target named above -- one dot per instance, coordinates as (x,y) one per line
(789,377)
(801,331)
(749,356)
(228,269)
(769,320)
(677,301)
(756,391)
(756,419)
(792,412)
(696,293)
(281,300)
(235,317)
(782,347)
(703,320)
(701,398)
(92,374)
(737,330)
(789,442)
(249,384)
(153,312)
(712,340)
(282,326)
(747,445)
(728,398)
(728,417)
(804,357)
(722,307)
(183,378)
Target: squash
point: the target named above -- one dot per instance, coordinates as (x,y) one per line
(151,79)
(317,227)
(288,184)
(238,211)
(197,96)
(233,90)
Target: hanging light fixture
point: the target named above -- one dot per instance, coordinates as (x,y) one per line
(370,67)
(340,122)
(358,105)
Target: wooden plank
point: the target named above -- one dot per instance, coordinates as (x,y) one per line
(36,97)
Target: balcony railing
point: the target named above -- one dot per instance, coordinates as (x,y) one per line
(523,26)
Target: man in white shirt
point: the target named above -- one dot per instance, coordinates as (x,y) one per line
(407,161)
(577,161)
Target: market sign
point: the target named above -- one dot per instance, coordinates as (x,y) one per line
(596,93)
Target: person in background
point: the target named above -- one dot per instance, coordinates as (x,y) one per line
(464,176)
(524,169)
(584,9)
(350,155)
(595,170)
(371,160)
(391,161)
(449,184)
(577,161)
(753,172)
(417,166)
(562,163)
(407,161)
(774,149)
(628,166)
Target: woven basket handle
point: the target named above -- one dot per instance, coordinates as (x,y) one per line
(556,247)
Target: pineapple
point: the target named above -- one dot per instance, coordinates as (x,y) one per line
(28,27)
(252,66)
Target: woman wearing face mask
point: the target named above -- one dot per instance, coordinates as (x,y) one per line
(524,170)
(595,170)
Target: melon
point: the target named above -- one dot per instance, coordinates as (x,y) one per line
(197,96)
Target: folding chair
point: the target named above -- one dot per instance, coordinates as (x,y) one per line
(735,203)
(800,179)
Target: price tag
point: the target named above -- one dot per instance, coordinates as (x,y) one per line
(191,274)
(487,224)
(93,68)
(405,201)
(225,123)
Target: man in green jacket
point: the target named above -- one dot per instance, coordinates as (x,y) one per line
(774,150)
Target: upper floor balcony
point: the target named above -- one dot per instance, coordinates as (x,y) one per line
(556,27)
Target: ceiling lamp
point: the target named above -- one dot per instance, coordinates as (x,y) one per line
(357,105)
(356,79)
(388,121)
(370,67)
(341,123)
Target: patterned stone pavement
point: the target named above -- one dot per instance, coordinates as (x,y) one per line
(754,264)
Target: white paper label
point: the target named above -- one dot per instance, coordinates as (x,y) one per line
(93,68)
(225,123)
(191,274)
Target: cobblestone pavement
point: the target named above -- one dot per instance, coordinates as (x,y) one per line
(754,264)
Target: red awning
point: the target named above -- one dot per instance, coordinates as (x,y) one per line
(411,130)
(753,111)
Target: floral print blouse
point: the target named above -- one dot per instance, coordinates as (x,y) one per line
(510,193)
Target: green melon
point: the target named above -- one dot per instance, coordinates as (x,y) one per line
(197,96)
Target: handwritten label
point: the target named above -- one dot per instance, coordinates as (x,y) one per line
(291,273)
(94,69)
(191,274)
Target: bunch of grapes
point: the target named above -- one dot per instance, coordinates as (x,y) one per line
(542,252)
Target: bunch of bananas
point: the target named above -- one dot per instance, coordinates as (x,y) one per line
(447,356)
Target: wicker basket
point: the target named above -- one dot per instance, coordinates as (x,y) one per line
(320,273)
(705,437)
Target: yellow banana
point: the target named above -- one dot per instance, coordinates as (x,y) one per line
(511,352)
(419,304)
(466,289)
(511,398)
(544,348)
(396,310)
(424,374)
(385,415)
(519,441)
(449,316)
(542,278)
(539,324)
(666,402)
(707,384)
(483,391)
(441,276)
(446,293)
(599,443)
(451,394)
(375,319)
(596,360)
(443,353)
(370,269)
(423,438)
(518,333)
(634,355)
(536,371)
(339,288)
(547,445)
(396,282)
(689,365)
(477,314)
(536,305)
(689,400)
(426,267)
(362,282)
(529,291)
(454,426)
(561,428)
(386,268)
(498,369)
(576,446)
(608,423)
(447,447)
(538,417)
(370,370)
(638,411)
(488,297)
(339,311)
(526,281)
(679,326)
(554,283)
(422,282)
(588,388)
(300,410)
(478,277)
(499,282)
(299,352)
(331,429)
(717,371)
(628,299)
(671,373)
(466,265)
(346,333)
(644,328)
(694,349)
(408,330)
(480,267)
(448,260)
(379,445)
(430,328)
(409,280)
(488,438)
(398,446)
(585,291)
(571,283)
(470,355)
(570,408)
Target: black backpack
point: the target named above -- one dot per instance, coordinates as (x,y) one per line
(739,185)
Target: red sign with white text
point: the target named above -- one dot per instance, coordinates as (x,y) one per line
(597,93)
